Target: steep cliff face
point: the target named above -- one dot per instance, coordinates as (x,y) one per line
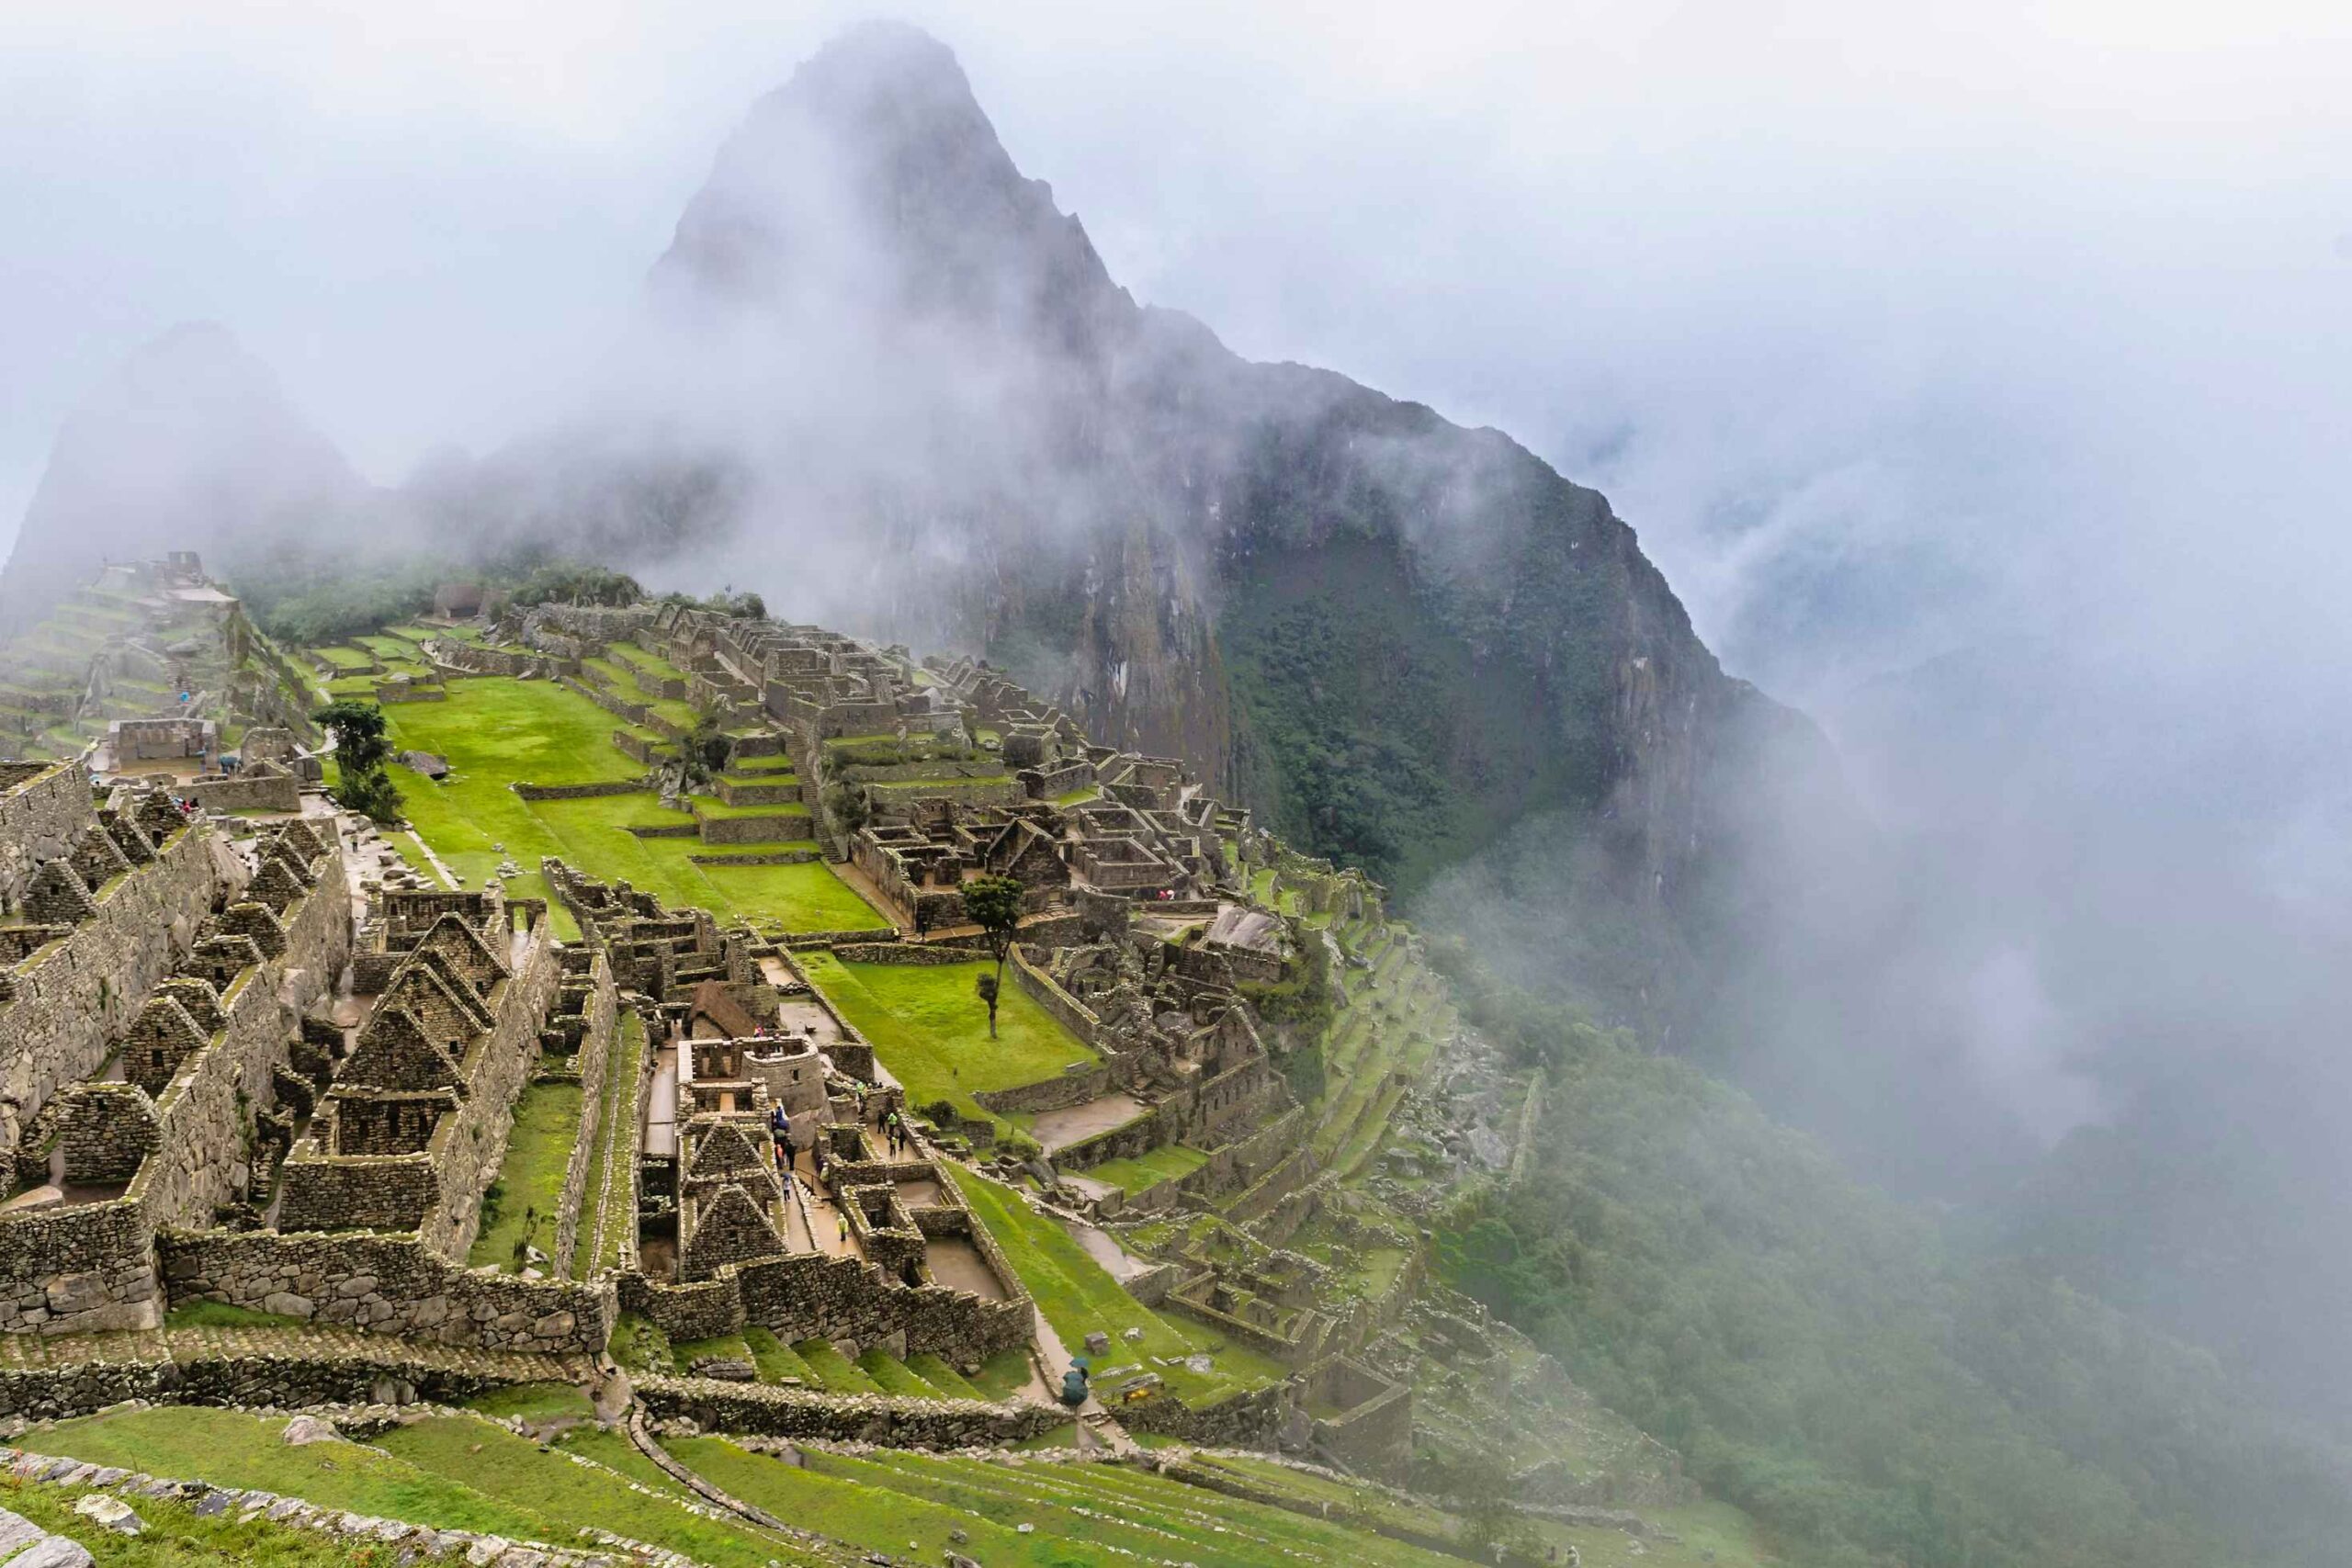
(1400,638)
(190,442)
(882,378)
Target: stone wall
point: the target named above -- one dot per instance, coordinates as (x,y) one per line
(202,1112)
(1067,1010)
(1244,1421)
(578,791)
(477,1134)
(594,1060)
(1374,1429)
(385,1284)
(1078,1082)
(815,1295)
(71,998)
(78,1269)
(909,953)
(784,823)
(896,1421)
(261,792)
(323,1377)
(1136,1135)
(43,809)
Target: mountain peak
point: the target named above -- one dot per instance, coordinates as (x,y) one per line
(871,181)
(189,442)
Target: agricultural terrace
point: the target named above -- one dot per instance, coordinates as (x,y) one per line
(931,1029)
(1078,1296)
(496,732)
(1046,1513)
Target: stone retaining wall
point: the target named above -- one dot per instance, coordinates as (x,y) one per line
(385,1284)
(896,1421)
(916,953)
(578,791)
(755,829)
(1136,1135)
(268,792)
(815,1295)
(1067,1010)
(286,1381)
(773,857)
(1079,1083)
(1246,1420)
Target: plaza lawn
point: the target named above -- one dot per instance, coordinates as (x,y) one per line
(932,1030)
(496,732)
(520,1209)
(1077,1295)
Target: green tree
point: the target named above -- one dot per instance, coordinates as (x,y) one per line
(994,905)
(696,761)
(361,745)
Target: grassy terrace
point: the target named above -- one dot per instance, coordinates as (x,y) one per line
(176,1536)
(518,1473)
(922,1507)
(932,1030)
(1078,1296)
(231,1448)
(519,1209)
(496,731)
(606,1212)
(1167,1163)
(715,809)
(645,662)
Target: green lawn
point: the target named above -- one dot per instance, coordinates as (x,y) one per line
(605,1217)
(836,1372)
(932,1030)
(232,1448)
(1166,1163)
(496,731)
(776,1361)
(535,1402)
(519,1472)
(1079,1296)
(173,1535)
(650,663)
(1120,1513)
(520,1205)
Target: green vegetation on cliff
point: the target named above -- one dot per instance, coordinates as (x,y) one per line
(1822,1359)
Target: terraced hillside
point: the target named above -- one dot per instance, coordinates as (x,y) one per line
(756,1235)
(126,646)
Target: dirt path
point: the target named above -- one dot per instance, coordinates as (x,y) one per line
(1058,1130)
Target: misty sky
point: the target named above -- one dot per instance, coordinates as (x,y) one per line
(2019,335)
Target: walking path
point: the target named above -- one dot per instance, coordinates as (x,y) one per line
(1057,1129)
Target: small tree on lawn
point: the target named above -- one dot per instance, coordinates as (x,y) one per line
(985,985)
(360,748)
(994,905)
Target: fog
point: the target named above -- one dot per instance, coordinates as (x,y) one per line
(1979,375)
